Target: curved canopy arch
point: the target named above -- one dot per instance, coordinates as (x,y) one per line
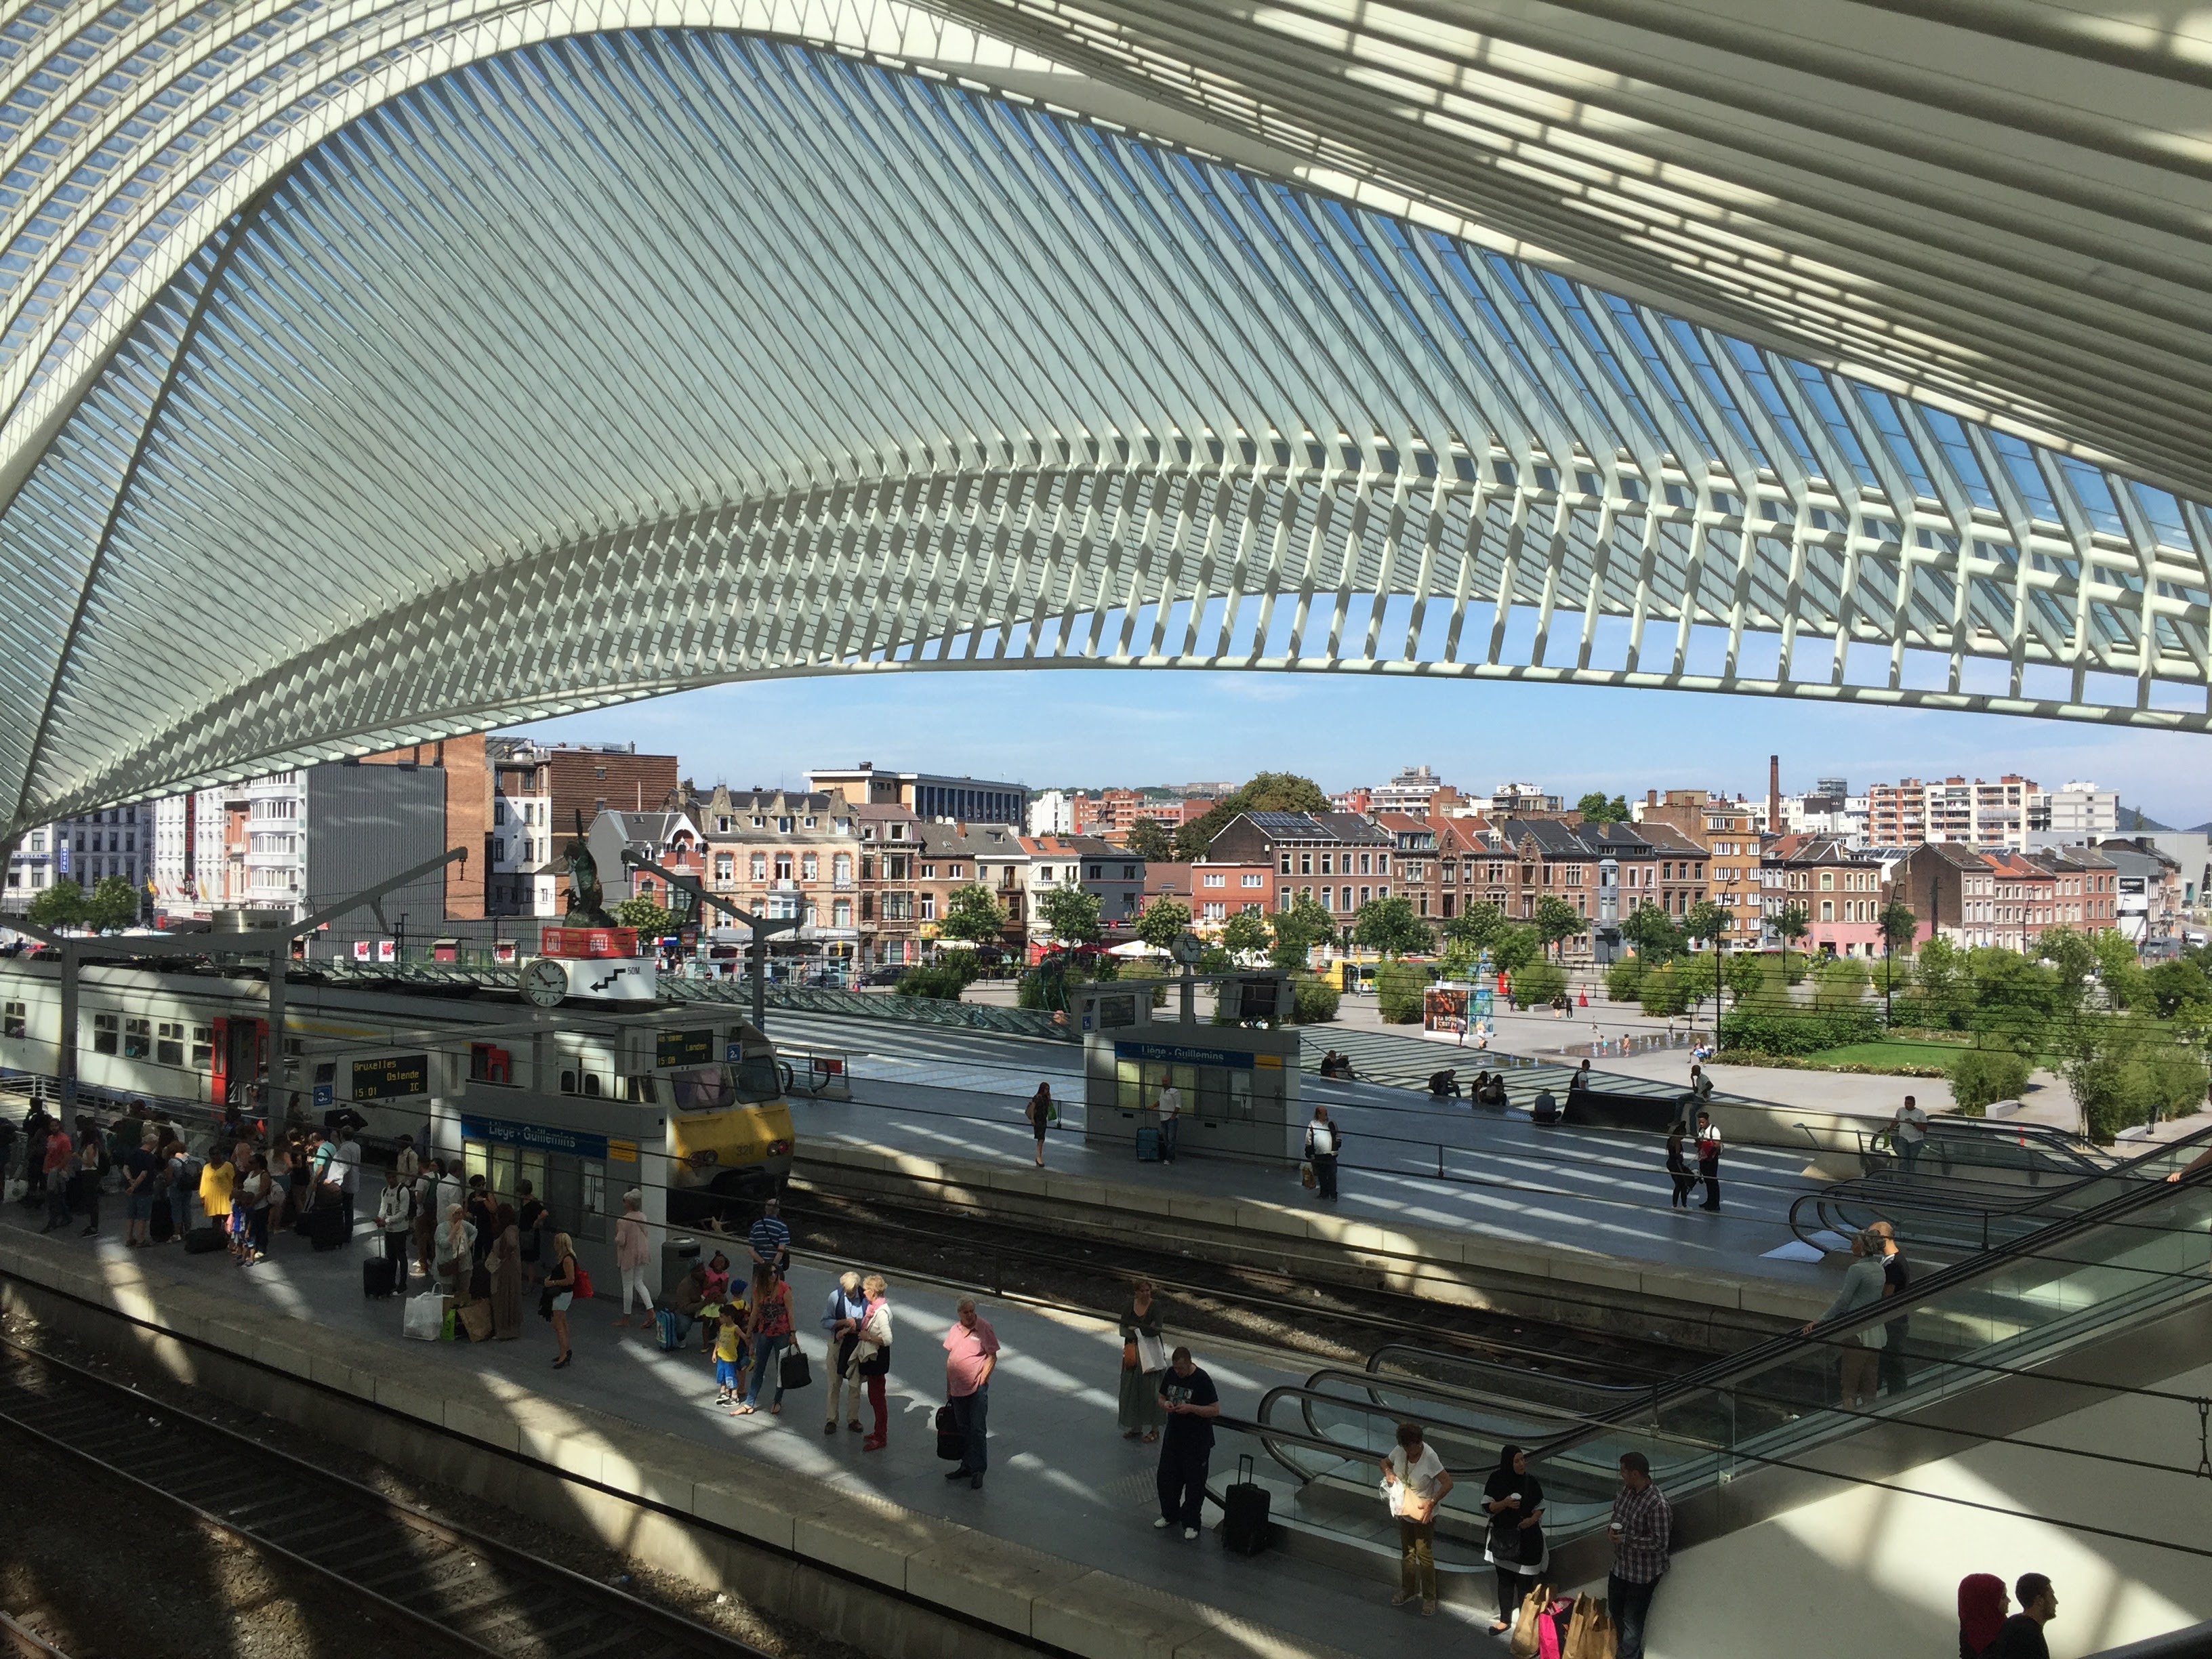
(607,365)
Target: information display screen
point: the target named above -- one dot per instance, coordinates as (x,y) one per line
(390,1077)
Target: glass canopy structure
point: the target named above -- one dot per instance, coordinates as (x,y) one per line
(374,373)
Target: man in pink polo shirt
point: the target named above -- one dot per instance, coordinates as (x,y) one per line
(57,1166)
(971,1354)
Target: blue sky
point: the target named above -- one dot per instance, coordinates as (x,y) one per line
(1133,726)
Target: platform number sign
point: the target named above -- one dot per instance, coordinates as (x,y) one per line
(391,1076)
(684,1047)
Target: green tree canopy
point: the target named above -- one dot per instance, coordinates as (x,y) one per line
(2178,988)
(1515,947)
(2119,968)
(112,906)
(1164,921)
(1900,926)
(1653,933)
(1596,809)
(972,913)
(649,916)
(1247,934)
(1072,914)
(1297,930)
(1268,792)
(61,905)
(1389,926)
(1477,925)
(1556,920)
(1705,921)
(1149,841)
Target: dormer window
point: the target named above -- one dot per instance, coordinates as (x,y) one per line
(810,820)
(898,832)
(783,826)
(759,823)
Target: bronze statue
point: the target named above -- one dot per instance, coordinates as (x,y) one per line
(587,899)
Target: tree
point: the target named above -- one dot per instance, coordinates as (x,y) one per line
(1792,923)
(112,906)
(1401,989)
(1653,933)
(1840,985)
(1268,792)
(1149,841)
(1556,921)
(61,905)
(1515,948)
(1297,931)
(2175,989)
(1247,934)
(972,914)
(1706,921)
(649,916)
(1597,810)
(1539,983)
(2118,967)
(1071,915)
(1746,974)
(1900,929)
(1478,925)
(1162,922)
(1388,926)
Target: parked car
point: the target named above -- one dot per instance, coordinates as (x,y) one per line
(881,976)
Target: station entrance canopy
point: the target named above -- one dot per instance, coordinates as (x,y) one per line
(370,372)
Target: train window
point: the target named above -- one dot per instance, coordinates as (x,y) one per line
(12,1023)
(169,1044)
(104,1029)
(592,1083)
(202,1047)
(639,1089)
(568,1083)
(138,1039)
(757,1079)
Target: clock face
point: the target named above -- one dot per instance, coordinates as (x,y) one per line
(545,983)
(1187,949)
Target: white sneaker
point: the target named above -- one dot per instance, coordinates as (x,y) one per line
(1189,1533)
(1160,1523)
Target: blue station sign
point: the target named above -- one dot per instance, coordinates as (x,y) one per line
(534,1137)
(1181,1053)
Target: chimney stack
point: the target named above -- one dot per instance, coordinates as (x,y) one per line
(1774,794)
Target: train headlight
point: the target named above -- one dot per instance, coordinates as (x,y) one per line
(778,1148)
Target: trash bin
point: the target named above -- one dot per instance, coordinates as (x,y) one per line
(679,1256)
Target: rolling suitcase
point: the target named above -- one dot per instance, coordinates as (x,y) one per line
(202,1240)
(951,1444)
(163,1227)
(1148,1145)
(380,1276)
(326,1227)
(1245,1513)
(666,1331)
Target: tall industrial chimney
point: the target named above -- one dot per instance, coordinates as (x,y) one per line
(1774,794)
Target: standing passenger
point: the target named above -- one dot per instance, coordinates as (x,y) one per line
(505,1277)
(345,1170)
(769,1240)
(140,1165)
(1908,1133)
(1170,1104)
(872,1357)
(633,1251)
(769,1326)
(730,1364)
(529,1219)
(260,1197)
(426,1216)
(841,1318)
(1418,1480)
(1190,1403)
(1039,1111)
(58,1159)
(1678,1167)
(1862,1288)
(1514,1501)
(456,1239)
(1323,1146)
(1641,1528)
(395,1218)
(1708,1160)
(216,1179)
(184,1191)
(1896,1280)
(559,1293)
(1139,1405)
(971,1354)
(1982,1605)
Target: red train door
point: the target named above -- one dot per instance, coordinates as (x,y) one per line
(238,1059)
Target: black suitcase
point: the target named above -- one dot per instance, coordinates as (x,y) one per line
(1245,1513)
(380,1276)
(1148,1145)
(163,1227)
(326,1227)
(951,1444)
(202,1240)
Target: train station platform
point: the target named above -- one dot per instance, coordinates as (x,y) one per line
(1058,1547)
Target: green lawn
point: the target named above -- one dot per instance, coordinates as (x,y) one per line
(1889,1054)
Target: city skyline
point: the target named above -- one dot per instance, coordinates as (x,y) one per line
(1136,730)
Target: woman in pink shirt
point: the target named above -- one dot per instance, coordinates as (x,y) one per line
(632,1252)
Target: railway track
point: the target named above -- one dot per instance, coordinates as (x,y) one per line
(21,1644)
(459,1591)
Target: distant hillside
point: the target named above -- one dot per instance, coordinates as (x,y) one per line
(2132,822)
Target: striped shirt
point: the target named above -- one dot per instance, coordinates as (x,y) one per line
(770,1239)
(1639,1548)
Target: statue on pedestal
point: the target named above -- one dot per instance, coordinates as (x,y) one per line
(587,899)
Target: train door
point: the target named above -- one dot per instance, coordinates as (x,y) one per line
(236,1059)
(504,1168)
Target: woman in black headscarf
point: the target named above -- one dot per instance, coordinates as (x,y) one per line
(1514,1500)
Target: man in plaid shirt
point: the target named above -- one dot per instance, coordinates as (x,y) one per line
(1642,1522)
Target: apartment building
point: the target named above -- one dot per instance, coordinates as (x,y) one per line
(1971,813)
(786,854)
(1113,874)
(1837,885)
(525,877)
(2078,811)
(928,795)
(1312,854)
(122,841)
(583,780)
(1415,790)
(1116,813)
(1213,891)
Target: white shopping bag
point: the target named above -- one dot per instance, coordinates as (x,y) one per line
(426,1316)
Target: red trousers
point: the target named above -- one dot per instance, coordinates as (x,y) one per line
(881,1430)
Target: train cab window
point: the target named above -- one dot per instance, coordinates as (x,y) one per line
(202,1047)
(12,1020)
(568,1083)
(641,1088)
(758,1078)
(104,1030)
(169,1043)
(592,1083)
(138,1039)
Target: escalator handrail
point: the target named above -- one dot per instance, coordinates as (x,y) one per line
(1842,1191)
(1780,1350)
(1310,1393)
(1374,1361)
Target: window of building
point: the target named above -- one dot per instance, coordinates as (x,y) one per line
(1328,864)
(105,1031)
(783,826)
(1255,878)
(1212,880)
(783,866)
(810,820)
(1091,871)
(929,873)
(809,866)
(841,914)
(898,832)
(1285,862)
(929,907)
(1128,872)
(725,866)
(840,869)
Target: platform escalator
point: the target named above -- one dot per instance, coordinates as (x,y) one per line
(2006,1338)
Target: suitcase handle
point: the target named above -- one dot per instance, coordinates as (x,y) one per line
(1243,1468)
